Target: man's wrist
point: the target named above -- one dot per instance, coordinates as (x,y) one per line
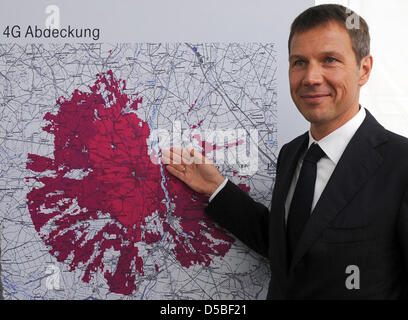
(215,185)
(219,188)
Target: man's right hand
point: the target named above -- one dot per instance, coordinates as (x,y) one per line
(195,170)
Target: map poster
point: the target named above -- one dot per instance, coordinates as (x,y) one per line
(90,93)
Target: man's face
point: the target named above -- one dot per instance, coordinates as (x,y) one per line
(325,79)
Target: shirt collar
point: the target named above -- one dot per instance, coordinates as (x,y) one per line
(336,142)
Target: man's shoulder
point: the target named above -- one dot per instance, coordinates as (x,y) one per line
(380,136)
(296,142)
(392,147)
(292,148)
(397,138)
(397,143)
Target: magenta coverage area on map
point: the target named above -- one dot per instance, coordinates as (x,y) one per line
(109,146)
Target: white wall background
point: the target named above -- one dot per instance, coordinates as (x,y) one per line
(386,94)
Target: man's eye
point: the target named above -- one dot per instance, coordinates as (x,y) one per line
(331,59)
(298,63)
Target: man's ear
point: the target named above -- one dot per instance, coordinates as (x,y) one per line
(366,66)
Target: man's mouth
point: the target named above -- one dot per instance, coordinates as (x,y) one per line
(315,98)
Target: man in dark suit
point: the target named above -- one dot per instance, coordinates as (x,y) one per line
(338,224)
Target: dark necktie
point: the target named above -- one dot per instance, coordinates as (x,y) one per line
(301,205)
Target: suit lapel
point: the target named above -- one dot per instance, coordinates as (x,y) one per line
(358,162)
(287,168)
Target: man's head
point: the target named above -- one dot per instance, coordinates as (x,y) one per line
(329,63)
(323,14)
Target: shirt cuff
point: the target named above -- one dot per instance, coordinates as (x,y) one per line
(222,185)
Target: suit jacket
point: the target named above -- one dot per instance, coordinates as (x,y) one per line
(361,219)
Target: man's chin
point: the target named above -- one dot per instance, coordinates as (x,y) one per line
(315,116)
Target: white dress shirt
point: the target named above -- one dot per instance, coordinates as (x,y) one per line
(333,145)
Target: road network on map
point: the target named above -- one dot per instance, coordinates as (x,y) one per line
(80,190)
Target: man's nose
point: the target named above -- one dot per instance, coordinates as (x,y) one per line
(313,75)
